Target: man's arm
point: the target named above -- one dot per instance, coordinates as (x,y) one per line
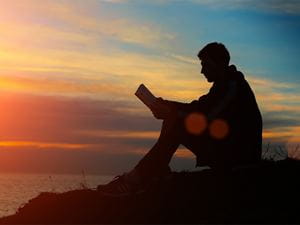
(162,108)
(211,104)
(176,105)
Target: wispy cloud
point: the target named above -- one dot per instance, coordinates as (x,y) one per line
(289,135)
(41,145)
(122,134)
(114,74)
(279,103)
(63,86)
(275,95)
(70,40)
(72,20)
(279,6)
(267,83)
(185,59)
(86,121)
(65,120)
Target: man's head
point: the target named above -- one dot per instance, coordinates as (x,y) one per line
(214,60)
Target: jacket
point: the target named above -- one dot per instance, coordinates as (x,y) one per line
(232,102)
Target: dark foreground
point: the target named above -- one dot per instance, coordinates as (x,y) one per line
(267,194)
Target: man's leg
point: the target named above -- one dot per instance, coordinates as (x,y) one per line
(156,161)
(153,164)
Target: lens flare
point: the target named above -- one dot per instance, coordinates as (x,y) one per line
(195,123)
(219,129)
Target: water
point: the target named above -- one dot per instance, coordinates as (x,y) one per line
(17,189)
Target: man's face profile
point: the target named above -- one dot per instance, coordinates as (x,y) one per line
(209,69)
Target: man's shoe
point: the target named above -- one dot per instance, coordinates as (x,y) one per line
(123,185)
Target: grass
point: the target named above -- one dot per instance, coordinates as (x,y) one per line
(277,152)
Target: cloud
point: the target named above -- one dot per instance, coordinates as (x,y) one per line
(139,33)
(277,119)
(86,121)
(77,22)
(73,39)
(170,83)
(102,75)
(63,86)
(278,6)
(122,134)
(290,136)
(107,127)
(76,133)
(91,162)
(113,1)
(41,145)
(279,104)
(185,59)
(275,95)
(69,53)
(267,83)
(69,120)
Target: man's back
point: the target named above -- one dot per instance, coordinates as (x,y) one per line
(233,103)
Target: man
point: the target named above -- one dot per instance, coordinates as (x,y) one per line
(222,128)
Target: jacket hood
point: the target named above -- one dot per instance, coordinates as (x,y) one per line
(234,74)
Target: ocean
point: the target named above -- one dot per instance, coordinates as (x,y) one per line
(17,189)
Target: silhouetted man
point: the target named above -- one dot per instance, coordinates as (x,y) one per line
(222,128)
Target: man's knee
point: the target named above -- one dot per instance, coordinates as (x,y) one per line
(173,124)
(171,131)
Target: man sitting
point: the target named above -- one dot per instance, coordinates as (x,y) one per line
(222,128)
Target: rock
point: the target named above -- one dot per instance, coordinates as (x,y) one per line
(267,193)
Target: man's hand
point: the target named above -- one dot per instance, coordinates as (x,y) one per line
(160,109)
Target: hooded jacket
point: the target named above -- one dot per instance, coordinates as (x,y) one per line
(232,102)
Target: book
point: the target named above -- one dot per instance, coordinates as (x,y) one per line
(145,95)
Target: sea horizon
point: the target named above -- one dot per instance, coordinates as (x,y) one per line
(16,188)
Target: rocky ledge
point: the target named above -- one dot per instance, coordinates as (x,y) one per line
(268,193)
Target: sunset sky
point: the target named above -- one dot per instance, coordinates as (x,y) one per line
(69,70)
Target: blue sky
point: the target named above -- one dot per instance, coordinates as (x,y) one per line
(269,37)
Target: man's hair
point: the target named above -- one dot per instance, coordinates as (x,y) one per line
(216,51)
